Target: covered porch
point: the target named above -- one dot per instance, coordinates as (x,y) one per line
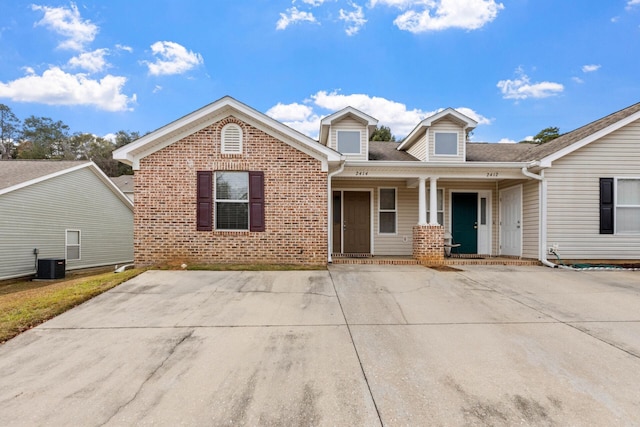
(487,210)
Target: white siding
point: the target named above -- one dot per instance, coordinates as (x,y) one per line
(530,219)
(419,149)
(38,215)
(350,124)
(573,197)
(446,126)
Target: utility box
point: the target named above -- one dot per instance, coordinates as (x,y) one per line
(51,268)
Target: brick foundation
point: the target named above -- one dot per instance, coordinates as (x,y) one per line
(428,244)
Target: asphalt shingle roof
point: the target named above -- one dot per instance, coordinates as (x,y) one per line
(14,172)
(387,150)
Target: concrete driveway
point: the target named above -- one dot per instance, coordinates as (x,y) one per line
(354,345)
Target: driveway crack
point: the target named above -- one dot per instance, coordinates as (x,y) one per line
(170,353)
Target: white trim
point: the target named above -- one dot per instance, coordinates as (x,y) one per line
(435,145)
(547,161)
(615,205)
(216,200)
(478,196)
(394,210)
(371,216)
(224,107)
(359,131)
(92,166)
(78,245)
(238,146)
(428,122)
(326,123)
(502,190)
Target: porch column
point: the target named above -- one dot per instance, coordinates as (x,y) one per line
(422,202)
(433,201)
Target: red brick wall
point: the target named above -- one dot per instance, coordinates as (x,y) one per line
(165,203)
(428,244)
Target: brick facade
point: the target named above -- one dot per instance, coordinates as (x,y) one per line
(428,244)
(295,195)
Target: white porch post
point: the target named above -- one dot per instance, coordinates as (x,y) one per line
(422,202)
(433,201)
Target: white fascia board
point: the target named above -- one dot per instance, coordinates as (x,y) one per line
(148,144)
(547,161)
(408,141)
(428,122)
(405,170)
(45,177)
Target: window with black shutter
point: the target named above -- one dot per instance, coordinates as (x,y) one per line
(256,201)
(606,206)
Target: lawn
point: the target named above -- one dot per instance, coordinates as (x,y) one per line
(25,304)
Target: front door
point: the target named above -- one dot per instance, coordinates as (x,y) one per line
(464,221)
(511,221)
(357,222)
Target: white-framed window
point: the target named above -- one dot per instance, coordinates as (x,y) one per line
(72,244)
(348,141)
(440,207)
(232,200)
(627,216)
(387,211)
(446,144)
(231,139)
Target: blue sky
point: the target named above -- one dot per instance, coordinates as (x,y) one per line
(515,66)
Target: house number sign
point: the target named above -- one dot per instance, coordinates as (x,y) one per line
(362,173)
(493,174)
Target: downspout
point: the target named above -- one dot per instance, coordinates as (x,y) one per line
(542,232)
(330,209)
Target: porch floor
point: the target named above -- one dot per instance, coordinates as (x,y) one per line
(455,259)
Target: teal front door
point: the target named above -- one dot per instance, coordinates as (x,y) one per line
(464,221)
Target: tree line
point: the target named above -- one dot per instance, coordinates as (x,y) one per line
(44,138)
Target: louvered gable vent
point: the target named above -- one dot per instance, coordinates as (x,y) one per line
(232,139)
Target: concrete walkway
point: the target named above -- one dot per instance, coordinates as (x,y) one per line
(354,345)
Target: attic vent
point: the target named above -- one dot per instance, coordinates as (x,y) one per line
(232,139)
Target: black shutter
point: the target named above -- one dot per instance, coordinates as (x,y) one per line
(606,206)
(256,201)
(205,201)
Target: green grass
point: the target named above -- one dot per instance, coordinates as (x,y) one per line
(25,304)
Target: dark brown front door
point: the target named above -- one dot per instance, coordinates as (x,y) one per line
(357,222)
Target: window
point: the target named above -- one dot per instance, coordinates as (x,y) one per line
(232,139)
(348,141)
(387,211)
(232,201)
(73,245)
(628,206)
(620,214)
(238,199)
(446,144)
(440,207)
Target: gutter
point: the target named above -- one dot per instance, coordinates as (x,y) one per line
(542,232)
(330,208)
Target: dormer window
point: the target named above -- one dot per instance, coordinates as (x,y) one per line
(348,141)
(232,139)
(446,144)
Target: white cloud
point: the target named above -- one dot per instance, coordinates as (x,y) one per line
(354,19)
(124,47)
(314,3)
(436,15)
(590,68)
(292,16)
(90,61)
(56,87)
(522,88)
(306,117)
(577,80)
(157,89)
(507,141)
(111,137)
(172,58)
(632,3)
(68,23)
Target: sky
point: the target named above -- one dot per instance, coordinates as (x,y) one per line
(514,66)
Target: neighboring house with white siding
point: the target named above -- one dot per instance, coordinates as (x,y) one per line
(579,193)
(62,210)
(125,184)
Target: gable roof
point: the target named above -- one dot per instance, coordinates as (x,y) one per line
(17,174)
(123,182)
(494,152)
(209,114)
(358,115)
(416,133)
